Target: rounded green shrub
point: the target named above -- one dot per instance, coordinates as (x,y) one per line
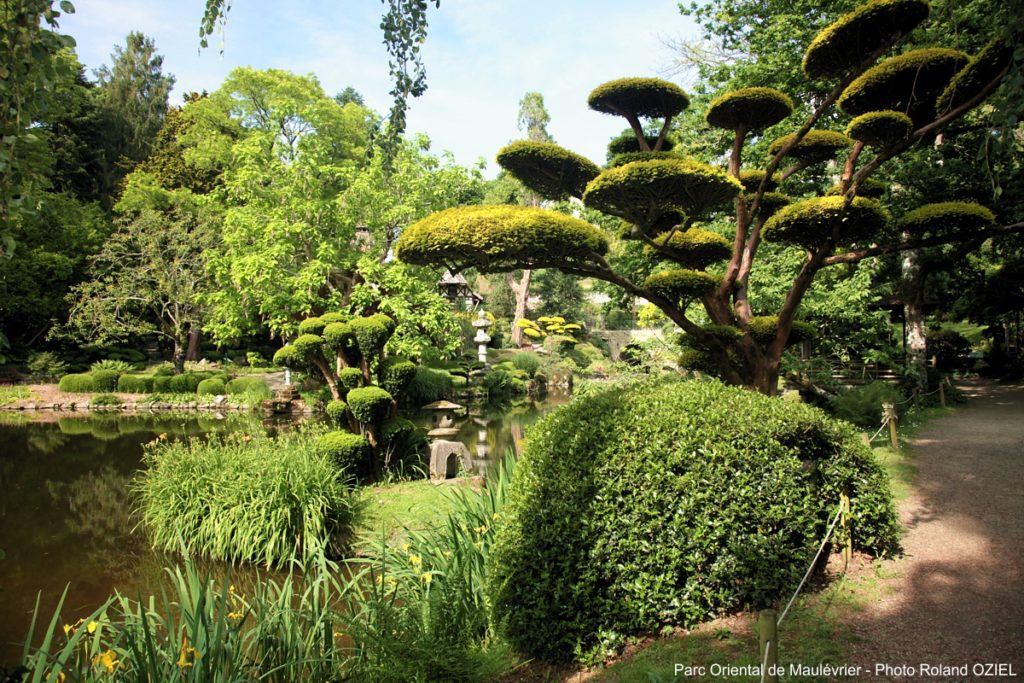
(527,361)
(164,370)
(349,378)
(337,412)
(211,387)
(910,82)
(428,385)
(346,450)
(162,384)
(764,327)
(488,237)
(846,42)
(812,221)
(880,128)
(369,405)
(135,384)
(863,405)
(338,337)
(696,247)
(248,385)
(749,109)
(395,373)
(818,145)
(551,171)
(947,218)
(751,180)
(640,97)
(629,157)
(289,357)
(402,437)
(771,204)
(681,284)
(307,345)
(669,502)
(981,70)
(101,400)
(313,325)
(105,380)
(188,382)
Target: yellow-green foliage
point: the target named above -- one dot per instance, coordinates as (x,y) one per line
(643,191)
(910,82)
(880,128)
(771,203)
(696,247)
(869,187)
(641,97)
(306,345)
(751,180)
(682,285)
(369,405)
(629,157)
(812,221)
(981,70)
(750,109)
(372,333)
(817,145)
(338,337)
(492,237)
(627,142)
(846,42)
(764,327)
(549,170)
(696,359)
(288,357)
(345,450)
(946,217)
(312,326)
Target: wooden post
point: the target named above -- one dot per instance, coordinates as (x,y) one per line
(844,501)
(768,632)
(889,412)
(942,392)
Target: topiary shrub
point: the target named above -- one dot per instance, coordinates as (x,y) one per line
(812,221)
(213,386)
(816,146)
(348,451)
(103,400)
(247,385)
(640,97)
(188,382)
(77,384)
(105,380)
(668,502)
(682,285)
(748,109)
(427,386)
(863,405)
(349,379)
(527,361)
(337,412)
(369,405)
(161,384)
(395,373)
(135,384)
(549,170)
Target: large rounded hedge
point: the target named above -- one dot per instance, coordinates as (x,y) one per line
(880,128)
(695,248)
(77,384)
(669,502)
(640,97)
(549,170)
(981,70)
(682,285)
(947,218)
(812,221)
(749,109)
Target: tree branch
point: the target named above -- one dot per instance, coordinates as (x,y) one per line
(879,249)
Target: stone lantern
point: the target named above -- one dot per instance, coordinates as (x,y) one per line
(482,338)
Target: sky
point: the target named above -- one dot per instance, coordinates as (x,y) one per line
(481,57)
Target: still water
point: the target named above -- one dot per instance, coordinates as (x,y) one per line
(67,512)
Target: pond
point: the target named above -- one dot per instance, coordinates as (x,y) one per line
(66,513)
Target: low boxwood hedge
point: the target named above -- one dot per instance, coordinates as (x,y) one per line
(668,502)
(135,384)
(77,384)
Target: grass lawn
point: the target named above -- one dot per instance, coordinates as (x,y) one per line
(395,507)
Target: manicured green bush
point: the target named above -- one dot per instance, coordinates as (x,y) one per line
(863,405)
(527,361)
(880,128)
(979,72)
(551,171)
(369,405)
(346,450)
(243,496)
(162,384)
(135,384)
(164,370)
(682,285)
(248,385)
(106,400)
(395,373)
(211,387)
(427,386)
(105,380)
(641,97)
(667,502)
(749,109)
(403,441)
(815,146)
(812,221)
(349,379)
(188,382)
(77,384)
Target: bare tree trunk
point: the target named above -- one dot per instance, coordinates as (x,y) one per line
(521,290)
(194,337)
(913,314)
(178,356)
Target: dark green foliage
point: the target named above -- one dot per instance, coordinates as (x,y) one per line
(696,247)
(847,42)
(372,333)
(312,326)
(492,237)
(696,359)
(105,400)
(306,346)
(880,128)
(105,380)
(749,109)
(333,317)
(428,385)
(349,378)
(338,337)
(395,373)
(764,327)
(751,180)
(812,221)
(869,187)
(863,405)
(949,348)
(644,190)
(213,386)
(369,405)
(657,504)
(816,146)
(682,285)
(527,361)
(134,384)
(252,386)
(771,204)
(639,97)
(627,144)
(911,83)
(402,438)
(628,157)
(551,171)
(188,382)
(337,412)
(502,384)
(981,70)
(118,366)
(162,384)
(947,217)
(346,450)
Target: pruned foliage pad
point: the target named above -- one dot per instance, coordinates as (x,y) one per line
(637,508)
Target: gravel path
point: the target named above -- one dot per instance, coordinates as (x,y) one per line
(959,590)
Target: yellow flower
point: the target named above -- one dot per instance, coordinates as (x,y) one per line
(495,516)
(61,677)
(107,659)
(427,578)
(415,560)
(481,530)
(162,437)
(235,616)
(71,628)
(91,628)
(405,547)
(186,652)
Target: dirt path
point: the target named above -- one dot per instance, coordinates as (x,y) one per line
(959,590)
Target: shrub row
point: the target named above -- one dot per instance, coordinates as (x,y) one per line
(200,382)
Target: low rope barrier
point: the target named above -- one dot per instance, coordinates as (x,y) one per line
(824,542)
(885,423)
